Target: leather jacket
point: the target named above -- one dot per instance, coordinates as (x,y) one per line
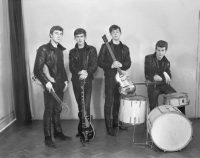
(105,60)
(152,67)
(89,62)
(46,54)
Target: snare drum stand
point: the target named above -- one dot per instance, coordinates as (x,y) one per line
(148,142)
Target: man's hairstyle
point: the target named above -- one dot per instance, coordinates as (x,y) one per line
(79,31)
(56,28)
(114,27)
(162,44)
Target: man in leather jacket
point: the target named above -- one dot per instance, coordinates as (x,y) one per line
(157,68)
(50,55)
(82,64)
(105,61)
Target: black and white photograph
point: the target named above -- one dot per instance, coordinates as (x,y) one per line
(99,78)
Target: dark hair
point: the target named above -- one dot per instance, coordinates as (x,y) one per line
(79,31)
(162,44)
(114,27)
(56,28)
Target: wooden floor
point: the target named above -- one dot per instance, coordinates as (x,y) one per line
(28,142)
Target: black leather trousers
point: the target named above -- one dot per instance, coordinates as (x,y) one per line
(112,101)
(52,113)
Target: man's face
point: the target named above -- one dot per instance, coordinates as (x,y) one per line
(56,36)
(160,52)
(80,39)
(115,34)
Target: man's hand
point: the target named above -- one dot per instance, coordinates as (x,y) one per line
(49,87)
(157,78)
(66,86)
(116,64)
(167,78)
(83,74)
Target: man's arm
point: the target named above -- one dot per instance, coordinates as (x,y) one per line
(126,63)
(39,64)
(92,66)
(102,62)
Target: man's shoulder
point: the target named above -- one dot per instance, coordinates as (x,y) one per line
(149,56)
(92,48)
(43,47)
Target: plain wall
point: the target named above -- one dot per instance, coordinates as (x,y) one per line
(143,23)
(6,85)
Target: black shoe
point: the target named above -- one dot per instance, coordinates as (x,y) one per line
(111,131)
(61,136)
(78,134)
(122,126)
(48,142)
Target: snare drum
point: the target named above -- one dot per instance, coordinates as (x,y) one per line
(176,99)
(170,130)
(132,109)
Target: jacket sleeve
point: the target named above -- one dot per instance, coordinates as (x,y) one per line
(149,69)
(167,69)
(102,62)
(39,64)
(73,65)
(126,63)
(92,65)
(64,71)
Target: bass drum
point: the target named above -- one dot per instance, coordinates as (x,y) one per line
(170,130)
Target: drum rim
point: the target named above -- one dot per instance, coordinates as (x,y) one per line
(190,123)
(143,98)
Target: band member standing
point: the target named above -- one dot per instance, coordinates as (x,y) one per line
(51,55)
(112,95)
(157,68)
(82,64)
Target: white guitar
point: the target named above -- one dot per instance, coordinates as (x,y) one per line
(126,85)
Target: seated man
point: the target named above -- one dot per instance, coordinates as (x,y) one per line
(157,68)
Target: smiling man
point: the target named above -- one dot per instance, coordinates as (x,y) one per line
(157,68)
(82,64)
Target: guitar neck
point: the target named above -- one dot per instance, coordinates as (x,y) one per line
(113,57)
(83,100)
(56,97)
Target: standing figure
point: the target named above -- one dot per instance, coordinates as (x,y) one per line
(50,55)
(82,64)
(157,68)
(105,61)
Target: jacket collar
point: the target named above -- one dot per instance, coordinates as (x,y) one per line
(86,47)
(163,59)
(53,48)
(120,43)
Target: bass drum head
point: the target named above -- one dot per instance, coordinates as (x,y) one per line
(171,131)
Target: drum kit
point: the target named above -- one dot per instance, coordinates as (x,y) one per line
(167,127)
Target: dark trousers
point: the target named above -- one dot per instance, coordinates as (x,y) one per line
(112,101)
(87,97)
(52,113)
(155,91)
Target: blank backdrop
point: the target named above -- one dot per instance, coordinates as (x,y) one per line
(143,23)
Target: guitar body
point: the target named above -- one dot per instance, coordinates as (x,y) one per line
(126,86)
(85,128)
(87,131)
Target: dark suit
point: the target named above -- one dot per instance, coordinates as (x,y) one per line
(153,67)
